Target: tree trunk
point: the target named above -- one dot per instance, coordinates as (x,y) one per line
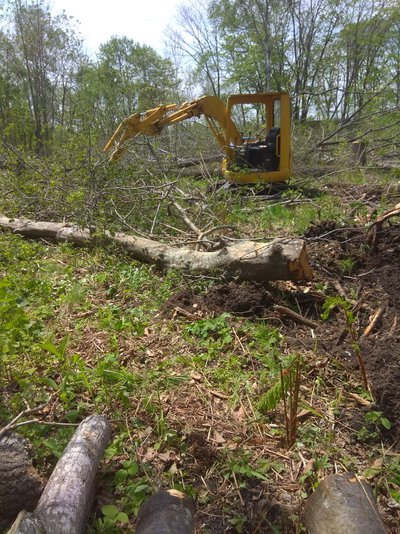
(359,153)
(280,259)
(67,498)
(343,504)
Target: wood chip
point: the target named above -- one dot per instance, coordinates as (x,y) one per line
(360,400)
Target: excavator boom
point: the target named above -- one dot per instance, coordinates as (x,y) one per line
(153,121)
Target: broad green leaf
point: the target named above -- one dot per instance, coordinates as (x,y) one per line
(109,510)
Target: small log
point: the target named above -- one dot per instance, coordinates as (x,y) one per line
(190,162)
(343,504)
(166,512)
(67,498)
(280,259)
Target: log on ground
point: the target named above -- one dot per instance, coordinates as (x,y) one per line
(343,504)
(67,498)
(166,512)
(20,483)
(279,259)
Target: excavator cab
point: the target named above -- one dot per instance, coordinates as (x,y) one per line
(264,154)
(253,130)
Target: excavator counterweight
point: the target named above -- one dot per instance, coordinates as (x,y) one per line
(260,155)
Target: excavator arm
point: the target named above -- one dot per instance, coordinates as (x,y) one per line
(153,121)
(247,160)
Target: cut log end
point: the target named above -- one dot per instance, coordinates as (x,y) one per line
(343,504)
(166,512)
(20,483)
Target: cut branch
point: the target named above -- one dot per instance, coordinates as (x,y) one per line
(283,310)
(280,259)
(66,500)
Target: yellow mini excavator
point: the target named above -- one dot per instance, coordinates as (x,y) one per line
(261,155)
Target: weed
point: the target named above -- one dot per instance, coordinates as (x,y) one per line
(385,471)
(216,332)
(290,381)
(341,303)
(347,265)
(165,436)
(112,517)
(238,522)
(375,422)
(241,468)
(287,388)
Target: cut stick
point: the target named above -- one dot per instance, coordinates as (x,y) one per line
(283,310)
(375,318)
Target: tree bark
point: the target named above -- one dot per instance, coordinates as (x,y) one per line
(280,259)
(359,153)
(20,483)
(166,512)
(67,498)
(343,504)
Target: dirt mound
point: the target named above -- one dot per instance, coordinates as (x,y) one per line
(246,299)
(186,299)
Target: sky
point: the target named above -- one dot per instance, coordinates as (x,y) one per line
(144,21)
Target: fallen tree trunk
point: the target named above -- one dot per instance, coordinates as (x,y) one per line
(343,504)
(66,500)
(280,259)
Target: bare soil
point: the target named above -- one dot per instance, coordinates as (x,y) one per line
(248,299)
(375,282)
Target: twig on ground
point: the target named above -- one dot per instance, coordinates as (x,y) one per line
(375,318)
(283,310)
(208,232)
(360,400)
(39,422)
(25,413)
(393,327)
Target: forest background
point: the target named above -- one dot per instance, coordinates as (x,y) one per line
(339,60)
